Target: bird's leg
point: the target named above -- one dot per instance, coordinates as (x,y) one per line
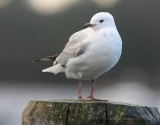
(90,97)
(79,90)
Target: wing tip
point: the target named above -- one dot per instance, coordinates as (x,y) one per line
(33,61)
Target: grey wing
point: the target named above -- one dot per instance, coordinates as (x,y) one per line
(47,58)
(71,52)
(75,47)
(79,37)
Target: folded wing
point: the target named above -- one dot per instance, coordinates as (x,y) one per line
(76,46)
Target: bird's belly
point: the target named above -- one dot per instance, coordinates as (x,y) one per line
(92,64)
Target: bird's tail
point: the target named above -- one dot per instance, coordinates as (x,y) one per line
(54,69)
(47,58)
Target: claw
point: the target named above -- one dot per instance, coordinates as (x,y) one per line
(79,98)
(90,98)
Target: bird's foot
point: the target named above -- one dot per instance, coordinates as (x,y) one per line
(91,98)
(79,98)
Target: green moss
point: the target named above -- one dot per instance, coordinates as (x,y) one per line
(50,113)
(119,112)
(88,112)
(116,114)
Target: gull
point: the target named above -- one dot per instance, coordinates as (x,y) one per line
(89,52)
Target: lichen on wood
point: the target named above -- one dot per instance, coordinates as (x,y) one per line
(73,112)
(91,113)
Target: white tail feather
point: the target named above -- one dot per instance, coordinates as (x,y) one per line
(54,69)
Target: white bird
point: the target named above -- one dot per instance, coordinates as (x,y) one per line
(89,52)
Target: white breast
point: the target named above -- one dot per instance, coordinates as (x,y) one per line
(101,55)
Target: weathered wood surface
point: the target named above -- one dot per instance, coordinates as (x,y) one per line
(72,112)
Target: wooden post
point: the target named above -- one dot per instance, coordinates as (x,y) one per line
(72,112)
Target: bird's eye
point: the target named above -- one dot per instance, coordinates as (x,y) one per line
(101,21)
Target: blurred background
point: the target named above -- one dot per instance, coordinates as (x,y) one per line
(30,29)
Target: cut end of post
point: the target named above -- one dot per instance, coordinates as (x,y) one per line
(103,112)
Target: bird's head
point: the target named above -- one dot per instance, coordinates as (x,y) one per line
(101,20)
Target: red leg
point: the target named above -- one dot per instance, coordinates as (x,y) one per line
(79,90)
(90,97)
